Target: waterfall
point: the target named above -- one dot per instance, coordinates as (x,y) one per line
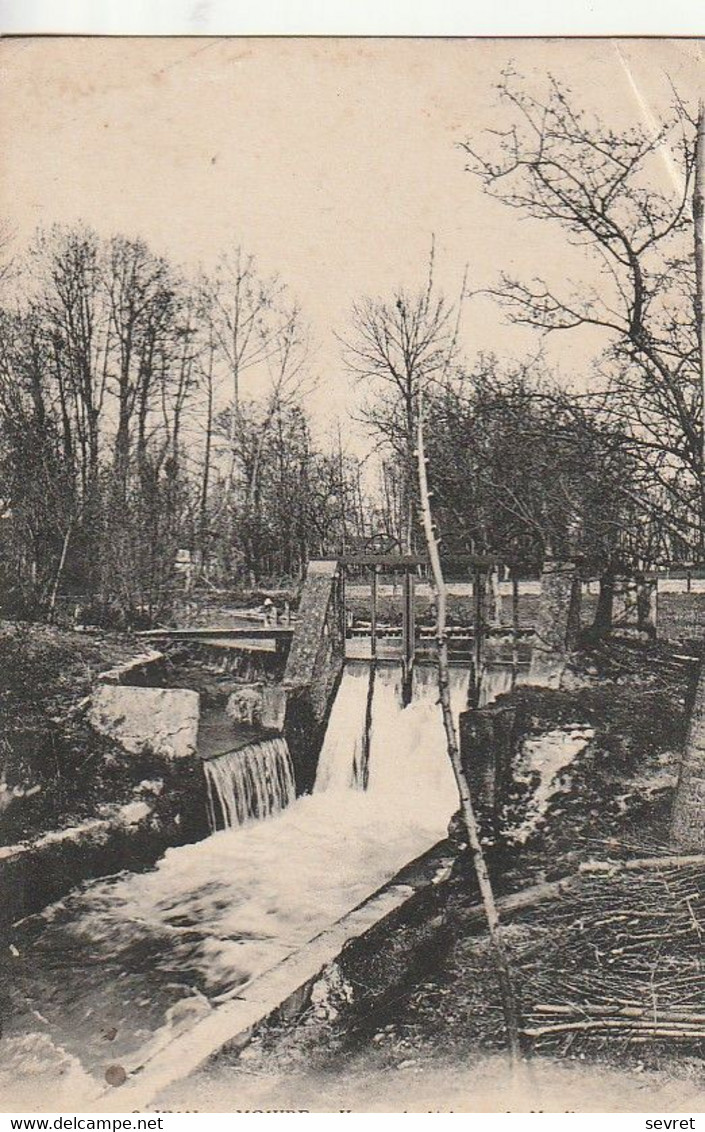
(498,679)
(342,761)
(250,784)
(396,754)
(495,680)
(410,774)
(135,950)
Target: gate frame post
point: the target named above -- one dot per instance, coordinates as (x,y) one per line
(408,632)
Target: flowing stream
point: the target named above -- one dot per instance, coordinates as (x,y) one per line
(250,784)
(106,976)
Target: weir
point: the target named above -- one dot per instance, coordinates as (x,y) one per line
(142,956)
(317,801)
(250,784)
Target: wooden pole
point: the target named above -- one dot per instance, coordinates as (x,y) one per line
(373,615)
(367,735)
(510,1004)
(408,634)
(699,234)
(478,587)
(60,570)
(515,624)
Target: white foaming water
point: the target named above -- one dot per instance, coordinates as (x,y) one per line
(498,679)
(411,781)
(340,763)
(250,784)
(133,956)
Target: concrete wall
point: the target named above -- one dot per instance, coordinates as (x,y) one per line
(681,616)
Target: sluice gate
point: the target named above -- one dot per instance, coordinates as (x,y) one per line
(409,637)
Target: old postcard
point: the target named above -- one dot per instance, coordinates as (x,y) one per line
(352,575)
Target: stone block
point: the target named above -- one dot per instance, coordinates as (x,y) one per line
(557,622)
(274,700)
(144,669)
(245,705)
(163,720)
(316,658)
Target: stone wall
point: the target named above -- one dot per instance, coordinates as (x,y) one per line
(557,622)
(301,706)
(681,616)
(34,873)
(146,670)
(167,811)
(487,744)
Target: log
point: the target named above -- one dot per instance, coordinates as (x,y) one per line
(638,863)
(639,1028)
(517,901)
(622,1012)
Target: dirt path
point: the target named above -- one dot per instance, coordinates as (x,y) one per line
(364,1083)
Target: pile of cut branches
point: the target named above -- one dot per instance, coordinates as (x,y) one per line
(621,960)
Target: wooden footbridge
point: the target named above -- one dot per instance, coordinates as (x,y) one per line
(251,636)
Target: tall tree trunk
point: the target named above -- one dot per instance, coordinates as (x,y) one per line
(409,477)
(688,818)
(501,959)
(604,612)
(699,236)
(205,478)
(233,419)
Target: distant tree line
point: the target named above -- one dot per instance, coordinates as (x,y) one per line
(125,435)
(520,467)
(609,472)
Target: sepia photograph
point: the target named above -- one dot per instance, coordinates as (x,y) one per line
(352,575)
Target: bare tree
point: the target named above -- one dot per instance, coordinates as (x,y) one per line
(557,164)
(142,301)
(246,324)
(287,380)
(109,462)
(398,348)
(71,300)
(38,487)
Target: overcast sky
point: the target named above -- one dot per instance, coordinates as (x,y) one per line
(333,161)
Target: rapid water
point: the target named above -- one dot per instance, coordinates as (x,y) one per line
(109,974)
(250,784)
(341,763)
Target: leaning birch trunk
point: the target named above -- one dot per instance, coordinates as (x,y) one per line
(59,571)
(501,960)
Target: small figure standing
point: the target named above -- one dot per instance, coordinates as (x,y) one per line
(269,610)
